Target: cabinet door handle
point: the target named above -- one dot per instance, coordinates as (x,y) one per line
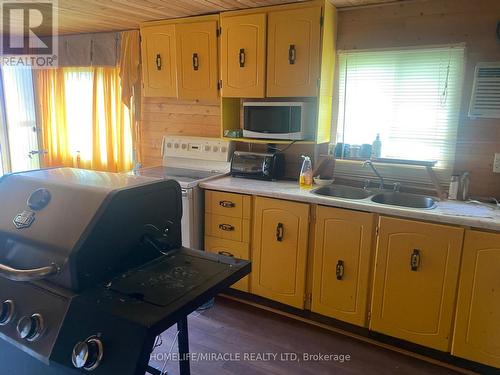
(158,61)
(242,57)
(292,54)
(280,232)
(196,62)
(227,204)
(226,253)
(415,260)
(339,270)
(226,227)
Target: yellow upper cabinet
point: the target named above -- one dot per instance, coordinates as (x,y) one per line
(477,323)
(280,250)
(293,58)
(243,55)
(197,75)
(158,60)
(342,264)
(415,282)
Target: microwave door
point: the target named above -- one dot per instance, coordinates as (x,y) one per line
(274,121)
(271,120)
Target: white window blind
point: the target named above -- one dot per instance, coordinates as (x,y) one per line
(411,97)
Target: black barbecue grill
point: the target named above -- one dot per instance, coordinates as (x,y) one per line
(92,270)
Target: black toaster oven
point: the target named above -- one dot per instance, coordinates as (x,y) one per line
(260,166)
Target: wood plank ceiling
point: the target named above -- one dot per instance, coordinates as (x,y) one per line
(77,16)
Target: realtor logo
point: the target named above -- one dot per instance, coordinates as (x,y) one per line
(28,33)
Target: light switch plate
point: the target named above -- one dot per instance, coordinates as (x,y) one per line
(496,163)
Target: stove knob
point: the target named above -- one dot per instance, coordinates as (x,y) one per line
(30,327)
(6,312)
(88,354)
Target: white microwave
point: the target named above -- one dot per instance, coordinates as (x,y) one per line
(276,120)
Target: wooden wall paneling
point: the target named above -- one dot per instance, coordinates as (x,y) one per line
(162,116)
(89,16)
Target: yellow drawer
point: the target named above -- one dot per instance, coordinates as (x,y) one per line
(227,204)
(228,228)
(233,249)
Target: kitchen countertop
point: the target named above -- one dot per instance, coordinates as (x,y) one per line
(483,216)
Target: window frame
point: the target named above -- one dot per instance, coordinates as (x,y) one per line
(415,175)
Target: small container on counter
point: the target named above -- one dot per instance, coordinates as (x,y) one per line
(454,185)
(355,151)
(366,151)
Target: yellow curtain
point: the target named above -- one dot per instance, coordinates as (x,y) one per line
(130,75)
(94,135)
(52,116)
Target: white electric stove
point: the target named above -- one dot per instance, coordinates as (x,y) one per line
(190,160)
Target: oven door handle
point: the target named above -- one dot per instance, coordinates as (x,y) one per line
(32,274)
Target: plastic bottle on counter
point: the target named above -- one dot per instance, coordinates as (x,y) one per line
(306,174)
(377,147)
(454,185)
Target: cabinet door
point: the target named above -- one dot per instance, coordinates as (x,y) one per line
(243,43)
(293,58)
(158,61)
(280,250)
(342,259)
(477,324)
(197,60)
(415,282)
(232,249)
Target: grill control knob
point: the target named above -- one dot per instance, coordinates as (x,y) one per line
(30,327)
(88,354)
(6,312)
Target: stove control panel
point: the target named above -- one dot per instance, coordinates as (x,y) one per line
(208,149)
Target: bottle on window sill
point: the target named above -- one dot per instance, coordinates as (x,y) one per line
(377,147)
(454,184)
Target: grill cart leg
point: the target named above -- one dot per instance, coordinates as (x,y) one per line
(182,326)
(153,371)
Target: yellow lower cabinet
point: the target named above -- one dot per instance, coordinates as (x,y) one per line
(342,259)
(477,323)
(234,249)
(228,228)
(279,255)
(415,281)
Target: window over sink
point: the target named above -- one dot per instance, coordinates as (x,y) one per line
(410,97)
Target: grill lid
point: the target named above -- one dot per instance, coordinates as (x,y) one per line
(79,227)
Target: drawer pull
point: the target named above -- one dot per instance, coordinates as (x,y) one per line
(226,227)
(292,54)
(196,61)
(339,270)
(227,204)
(415,260)
(242,57)
(158,61)
(280,232)
(226,253)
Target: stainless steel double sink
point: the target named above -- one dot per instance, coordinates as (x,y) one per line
(392,198)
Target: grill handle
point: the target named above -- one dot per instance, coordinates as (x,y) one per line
(15,274)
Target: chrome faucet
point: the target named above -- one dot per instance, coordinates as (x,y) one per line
(370,163)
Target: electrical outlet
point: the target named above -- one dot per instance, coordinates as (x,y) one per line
(496,163)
